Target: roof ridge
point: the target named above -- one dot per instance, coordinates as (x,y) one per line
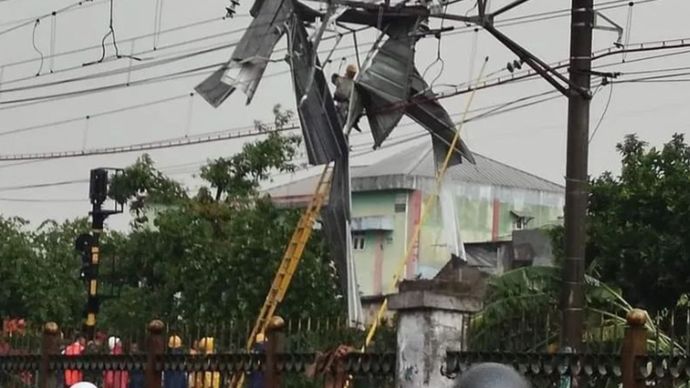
(520,170)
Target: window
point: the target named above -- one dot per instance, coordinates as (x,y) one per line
(520,220)
(400,203)
(358,241)
(520,223)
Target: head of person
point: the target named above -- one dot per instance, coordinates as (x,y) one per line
(80,339)
(83,384)
(206,345)
(113,342)
(350,71)
(174,342)
(491,375)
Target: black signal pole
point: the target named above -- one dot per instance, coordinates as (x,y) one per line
(89,245)
(576,186)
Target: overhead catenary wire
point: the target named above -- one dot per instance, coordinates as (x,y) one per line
(33,43)
(398,140)
(27,21)
(209,37)
(142,66)
(128,40)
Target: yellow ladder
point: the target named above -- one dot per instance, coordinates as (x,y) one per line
(290,260)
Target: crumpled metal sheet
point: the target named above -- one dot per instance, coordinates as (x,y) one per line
(249,59)
(321,126)
(427,112)
(384,84)
(391,86)
(336,217)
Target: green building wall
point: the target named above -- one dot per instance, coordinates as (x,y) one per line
(383,252)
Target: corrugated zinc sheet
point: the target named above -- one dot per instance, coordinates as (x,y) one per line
(321,128)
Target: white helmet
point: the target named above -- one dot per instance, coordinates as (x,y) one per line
(112,341)
(83,384)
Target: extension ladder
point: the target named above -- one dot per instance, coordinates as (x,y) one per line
(290,260)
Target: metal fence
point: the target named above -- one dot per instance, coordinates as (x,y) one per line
(281,360)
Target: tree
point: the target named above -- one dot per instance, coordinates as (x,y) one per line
(198,259)
(637,225)
(522,313)
(40,271)
(211,258)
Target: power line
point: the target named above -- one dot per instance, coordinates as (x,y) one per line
(168,143)
(39,200)
(69,8)
(94,115)
(603,114)
(128,40)
(168,169)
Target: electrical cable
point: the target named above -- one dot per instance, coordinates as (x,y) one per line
(33,43)
(134,38)
(53,37)
(121,70)
(208,49)
(23,102)
(69,8)
(628,27)
(603,114)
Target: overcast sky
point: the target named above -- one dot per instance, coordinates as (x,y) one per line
(532,138)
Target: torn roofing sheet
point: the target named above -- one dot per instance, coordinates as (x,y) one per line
(385,84)
(336,217)
(250,58)
(321,127)
(429,113)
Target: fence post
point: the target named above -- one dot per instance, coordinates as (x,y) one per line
(155,346)
(275,344)
(634,344)
(49,346)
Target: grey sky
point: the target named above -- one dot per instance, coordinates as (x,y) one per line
(532,139)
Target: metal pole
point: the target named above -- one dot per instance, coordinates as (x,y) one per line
(576,187)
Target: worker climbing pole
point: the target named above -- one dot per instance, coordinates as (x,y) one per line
(290,261)
(88,244)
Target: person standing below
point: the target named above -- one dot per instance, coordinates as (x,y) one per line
(175,378)
(115,379)
(207,379)
(74,349)
(136,377)
(256,378)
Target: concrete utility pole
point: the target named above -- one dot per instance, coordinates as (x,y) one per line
(576,186)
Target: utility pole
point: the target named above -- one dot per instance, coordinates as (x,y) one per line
(89,246)
(576,186)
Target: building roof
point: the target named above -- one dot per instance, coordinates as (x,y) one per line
(417,162)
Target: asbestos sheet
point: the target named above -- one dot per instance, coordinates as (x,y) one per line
(250,58)
(427,112)
(321,125)
(385,84)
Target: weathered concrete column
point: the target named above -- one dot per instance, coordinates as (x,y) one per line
(431,319)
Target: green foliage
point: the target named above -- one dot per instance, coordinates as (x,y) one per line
(638,230)
(192,261)
(521,313)
(39,271)
(141,184)
(239,176)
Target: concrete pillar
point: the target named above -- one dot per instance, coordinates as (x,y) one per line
(432,317)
